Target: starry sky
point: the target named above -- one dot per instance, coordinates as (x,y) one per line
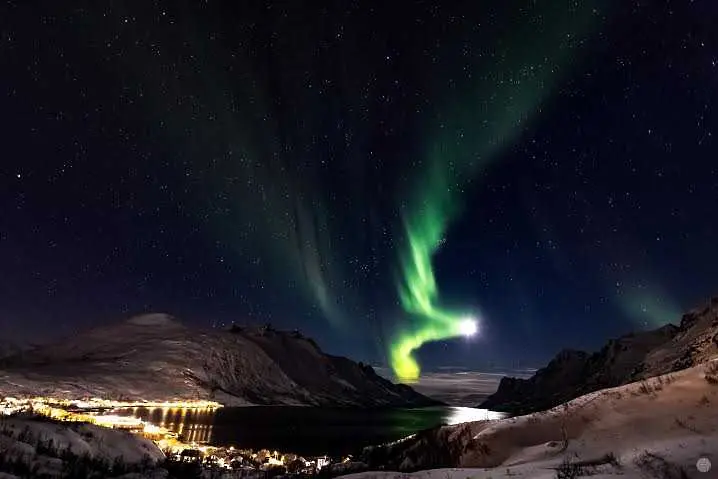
(264,162)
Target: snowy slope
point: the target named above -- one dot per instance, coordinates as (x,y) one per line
(80,439)
(155,357)
(659,427)
(38,447)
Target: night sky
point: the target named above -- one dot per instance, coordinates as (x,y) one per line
(268,162)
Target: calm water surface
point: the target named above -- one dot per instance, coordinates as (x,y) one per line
(304,430)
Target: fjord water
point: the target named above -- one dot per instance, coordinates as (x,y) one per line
(304,430)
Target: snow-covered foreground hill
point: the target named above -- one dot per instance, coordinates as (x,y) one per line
(656,428)
(155,357)
(37,447)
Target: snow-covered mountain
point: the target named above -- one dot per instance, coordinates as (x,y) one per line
(629,358)
(155,357)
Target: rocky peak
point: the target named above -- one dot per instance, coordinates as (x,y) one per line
(566,356)
(688,320)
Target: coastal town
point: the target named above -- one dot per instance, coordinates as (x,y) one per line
(188,447)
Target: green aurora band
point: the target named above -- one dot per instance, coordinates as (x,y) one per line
(418,293)
(490,116)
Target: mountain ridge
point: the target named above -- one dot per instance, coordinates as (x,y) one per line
(631,357)
(157,357)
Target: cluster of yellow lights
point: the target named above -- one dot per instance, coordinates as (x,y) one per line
(107,403)
(79,411)
(97,403)
(86,410)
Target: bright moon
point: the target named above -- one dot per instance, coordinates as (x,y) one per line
(468,327)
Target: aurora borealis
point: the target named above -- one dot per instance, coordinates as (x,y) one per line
(510,92)
(369,174)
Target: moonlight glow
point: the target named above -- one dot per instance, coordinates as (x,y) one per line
(468,327)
